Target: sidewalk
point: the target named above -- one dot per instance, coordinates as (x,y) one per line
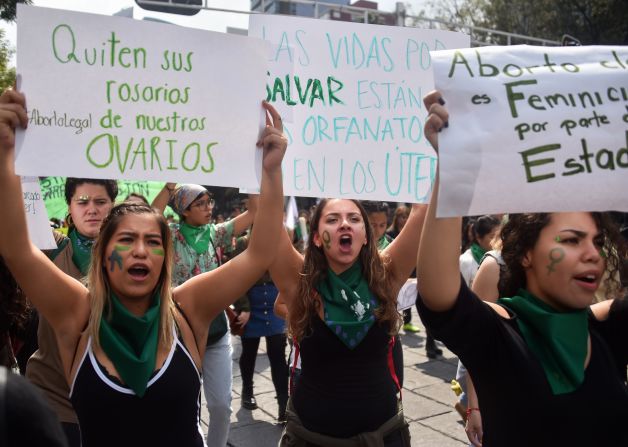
(427,399)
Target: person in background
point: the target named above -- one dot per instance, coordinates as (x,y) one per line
(199,247)
(89,202)
(400,217)
(135,197)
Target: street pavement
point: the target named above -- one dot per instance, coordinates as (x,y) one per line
(427,399)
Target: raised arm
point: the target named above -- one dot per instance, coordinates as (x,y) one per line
(204,296)
(403,250)
(244,220)
(161,200)
(62,300)
(438,269)
(285,270)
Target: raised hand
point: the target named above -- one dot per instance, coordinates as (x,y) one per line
(437,117)
(12,115)
(272,139)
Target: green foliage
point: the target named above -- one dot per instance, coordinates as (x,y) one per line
(593,22)
(8,8)
(7,74)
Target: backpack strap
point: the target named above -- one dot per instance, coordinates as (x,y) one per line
(391,365)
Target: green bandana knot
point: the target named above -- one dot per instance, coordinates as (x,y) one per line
(81,250)
(559,340)
(348,304)
(130,342)
(197,237)
(477,252)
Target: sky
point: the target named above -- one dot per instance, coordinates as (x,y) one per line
(208,20)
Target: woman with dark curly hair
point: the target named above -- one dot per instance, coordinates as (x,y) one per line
(548,366)
(342,311)
(15,315)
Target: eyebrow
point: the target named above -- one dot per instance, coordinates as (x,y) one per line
(136,234)
(579,233)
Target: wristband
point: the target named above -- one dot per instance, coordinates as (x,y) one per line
(470,410)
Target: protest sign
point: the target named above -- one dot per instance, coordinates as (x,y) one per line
(37,222)
(357,97)
(111,97)
(533,129)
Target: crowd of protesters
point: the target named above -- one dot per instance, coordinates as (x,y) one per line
(130,318)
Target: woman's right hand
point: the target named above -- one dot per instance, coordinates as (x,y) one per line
(273,140)
(12,114)
(437,117)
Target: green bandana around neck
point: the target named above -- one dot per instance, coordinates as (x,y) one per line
(559,340)
(382,243)
(130,342)
(477,252)
(197,237)
(348,304)
(81,250)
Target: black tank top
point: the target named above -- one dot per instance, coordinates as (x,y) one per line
(343,392)
(112,415)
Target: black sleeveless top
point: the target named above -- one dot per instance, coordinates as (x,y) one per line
(343,392)
(111,414)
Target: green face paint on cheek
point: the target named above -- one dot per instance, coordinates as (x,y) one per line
(121,247)
(326,239)
(555,255)
(158,251)
(114,259)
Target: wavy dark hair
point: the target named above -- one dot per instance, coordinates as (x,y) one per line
(374,269)
(14,309)
(521,232)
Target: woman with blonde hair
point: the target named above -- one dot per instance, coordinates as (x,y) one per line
(131,345)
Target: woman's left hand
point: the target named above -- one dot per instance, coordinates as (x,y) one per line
(273,140)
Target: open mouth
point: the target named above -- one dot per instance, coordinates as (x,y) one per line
(345,242)
(138,272)
(588,281)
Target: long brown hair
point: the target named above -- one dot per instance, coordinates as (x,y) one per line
(315,265)
(98,279)
(521,232)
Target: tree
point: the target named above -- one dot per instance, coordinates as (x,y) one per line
(7,74)
(593,22)
(8,8)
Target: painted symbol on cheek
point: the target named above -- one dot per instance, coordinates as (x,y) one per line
(555,255)
(326,239)
(115,258)
(158,251)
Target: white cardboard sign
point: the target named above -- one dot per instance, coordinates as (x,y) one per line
(357,97)
(112,97)
(533,129)
(36,216)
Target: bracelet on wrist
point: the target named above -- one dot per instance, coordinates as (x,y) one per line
(471,410)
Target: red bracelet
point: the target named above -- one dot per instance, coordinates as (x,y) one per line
(469,410)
